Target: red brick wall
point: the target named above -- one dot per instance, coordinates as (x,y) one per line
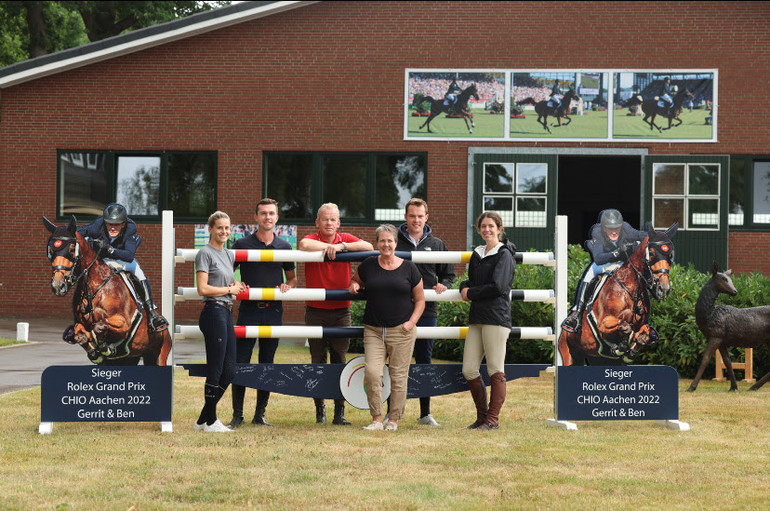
(330,77)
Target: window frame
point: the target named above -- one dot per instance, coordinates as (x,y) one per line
(686,196)
(748,224)
(515,194)
(317,184)
(111,171)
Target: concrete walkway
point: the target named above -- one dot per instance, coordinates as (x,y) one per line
(21,365)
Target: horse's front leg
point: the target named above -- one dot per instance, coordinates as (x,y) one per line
(544,122)
(118,324)
(87,341)
(468,126)
(569,120)
(467,114)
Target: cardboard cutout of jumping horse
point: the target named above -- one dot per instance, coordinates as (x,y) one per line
(543,110)
(437,107)
(109,323)
(615,324)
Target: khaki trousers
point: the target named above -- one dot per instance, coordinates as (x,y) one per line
(484,340)
(396,345)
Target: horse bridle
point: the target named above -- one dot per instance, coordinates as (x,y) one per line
(66,241)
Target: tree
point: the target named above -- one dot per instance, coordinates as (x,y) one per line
(34,28)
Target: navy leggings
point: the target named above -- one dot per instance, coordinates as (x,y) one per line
(216,323)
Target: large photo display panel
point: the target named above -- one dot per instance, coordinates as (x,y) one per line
(561,105)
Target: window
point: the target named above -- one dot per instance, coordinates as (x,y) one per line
(516,191)
(367,187)
(146,183)
(749,192)
(687,193)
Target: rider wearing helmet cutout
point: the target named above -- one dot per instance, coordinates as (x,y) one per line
(452,92)
(665,93)
(612,242)
(113,236)
(556,95)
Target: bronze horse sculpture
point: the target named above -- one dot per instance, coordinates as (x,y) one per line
(437,107)
(725,326)
(109,324)
(615,327)
(543,110)
(651,109)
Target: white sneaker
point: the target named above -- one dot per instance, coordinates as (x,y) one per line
(199,427)
(392,426)
(217,427)
(428,420)
(374,426)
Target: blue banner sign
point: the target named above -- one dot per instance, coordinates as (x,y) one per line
(591,393)
(106,394)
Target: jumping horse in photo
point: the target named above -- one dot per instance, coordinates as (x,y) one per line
(109,323)
(543,111)
(615,324)
(437,107)
(725,326)
(651,109)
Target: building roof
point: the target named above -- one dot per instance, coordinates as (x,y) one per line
(141,39)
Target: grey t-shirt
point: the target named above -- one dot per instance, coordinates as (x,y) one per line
(219,265)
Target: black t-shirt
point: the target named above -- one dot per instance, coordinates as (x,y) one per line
(388,292)
(262,274)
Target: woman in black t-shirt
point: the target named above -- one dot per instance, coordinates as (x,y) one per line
(395,301)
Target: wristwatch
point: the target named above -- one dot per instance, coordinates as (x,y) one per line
(344,247)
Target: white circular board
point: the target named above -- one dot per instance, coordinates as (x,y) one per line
(352,383)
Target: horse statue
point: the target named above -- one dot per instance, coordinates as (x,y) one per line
(438,106)
(615,323)
(109,323)
(651,109)
(543,110)
(725,326)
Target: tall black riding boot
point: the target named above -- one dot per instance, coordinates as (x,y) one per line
(263,397)
(155,322)
(212,394)
(238,395)
(320,411)
(339,413)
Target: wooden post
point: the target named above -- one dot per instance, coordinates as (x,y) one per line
(747,367)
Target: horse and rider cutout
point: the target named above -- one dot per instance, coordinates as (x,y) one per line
(663,105)
(111,291)
(609,320)
(455,102)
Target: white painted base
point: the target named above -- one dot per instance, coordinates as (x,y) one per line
(675,425)
(569,426)
(46,428)
(166,427)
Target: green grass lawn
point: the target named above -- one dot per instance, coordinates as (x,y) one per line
(693,126)
(5,341)
(297,464)
(487,126)
(589,125)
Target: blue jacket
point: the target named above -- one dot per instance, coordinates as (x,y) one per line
(123,246)
(604,251)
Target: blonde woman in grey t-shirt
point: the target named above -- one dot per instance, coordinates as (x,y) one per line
(214,274)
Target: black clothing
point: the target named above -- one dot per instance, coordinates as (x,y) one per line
(489,286)
(432,274)
(389,300)
(261,274)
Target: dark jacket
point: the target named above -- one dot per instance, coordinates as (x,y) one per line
(604,251)
(432,274)
(123,246)
(489,286)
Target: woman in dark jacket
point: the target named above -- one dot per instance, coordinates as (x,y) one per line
(488,288)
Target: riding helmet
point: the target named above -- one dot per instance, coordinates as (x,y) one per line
(611,219)
(115,214)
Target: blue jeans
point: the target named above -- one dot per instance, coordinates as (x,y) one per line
(216,323)
(423,348)
(273,316)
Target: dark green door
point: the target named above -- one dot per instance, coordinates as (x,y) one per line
(522,188)
(691,190)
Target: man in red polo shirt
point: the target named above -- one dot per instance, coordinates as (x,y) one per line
(329,275)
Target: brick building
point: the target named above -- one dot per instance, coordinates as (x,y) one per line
(223,105)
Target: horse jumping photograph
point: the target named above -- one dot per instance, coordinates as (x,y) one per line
(109,323)
(543,111)
(725,326)
(615,324)
(439,106)
(651,109)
